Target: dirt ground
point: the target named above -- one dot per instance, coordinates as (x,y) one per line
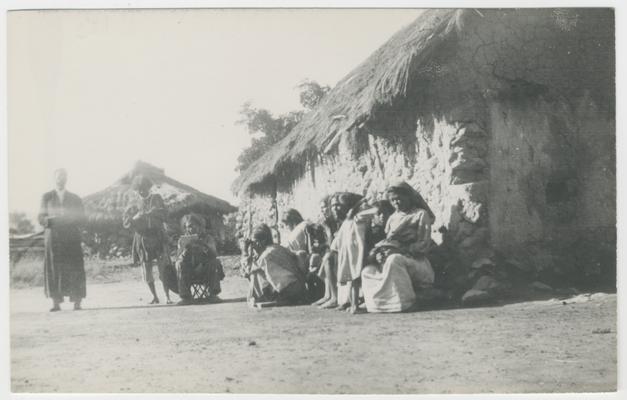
(120,344)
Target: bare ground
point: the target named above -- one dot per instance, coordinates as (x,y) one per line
(120,344)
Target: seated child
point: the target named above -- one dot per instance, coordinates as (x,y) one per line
(318,247)
(197,259)
(382,211)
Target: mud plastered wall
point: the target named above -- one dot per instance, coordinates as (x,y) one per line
(446,162)
(544,170)
(553,194)
(555,172)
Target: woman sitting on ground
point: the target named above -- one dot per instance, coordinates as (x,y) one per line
(296,240)
(402,268)
(197,259)
(308,241)
(274,274)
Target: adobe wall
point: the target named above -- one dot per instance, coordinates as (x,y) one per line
(553,194)
(500,167)
(537,179)
(555,175)
(446,162)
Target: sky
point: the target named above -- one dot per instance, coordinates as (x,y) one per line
(94,91)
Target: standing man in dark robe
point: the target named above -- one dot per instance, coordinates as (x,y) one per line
(147,220)
(62,214)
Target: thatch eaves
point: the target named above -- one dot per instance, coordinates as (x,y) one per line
(379,80)
(451,63)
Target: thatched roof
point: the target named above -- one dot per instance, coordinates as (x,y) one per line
(114,199)
(379,80)
(572,50)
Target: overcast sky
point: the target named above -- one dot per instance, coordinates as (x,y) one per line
(93,91)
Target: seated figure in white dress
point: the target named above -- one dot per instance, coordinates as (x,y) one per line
(402,268)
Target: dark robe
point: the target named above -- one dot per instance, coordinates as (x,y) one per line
(64,270)
(149,240)
(197,262)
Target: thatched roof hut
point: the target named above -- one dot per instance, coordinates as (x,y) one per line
(503,119)
(104,209)
(113,200)
(395,77)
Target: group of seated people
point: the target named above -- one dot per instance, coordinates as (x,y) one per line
(356,250)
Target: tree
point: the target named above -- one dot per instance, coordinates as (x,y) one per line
(269,129)
(19,224)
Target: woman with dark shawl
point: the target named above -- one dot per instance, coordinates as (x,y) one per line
(197,259)
(61,214)
(274,272)
(403,267)
(147,220)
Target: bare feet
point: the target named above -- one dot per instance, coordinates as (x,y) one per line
(356,310)
(331,303)
(154,301)
(320,301)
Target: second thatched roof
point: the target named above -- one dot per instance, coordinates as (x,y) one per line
(112,201)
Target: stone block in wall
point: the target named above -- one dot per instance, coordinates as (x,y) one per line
(465,163)
(471,211)
(462,177)
(462,230)
(477,239)
(468,131)
(476,191)
(471,148)
(475,297)
(468,203)
(468,151)
(483,262)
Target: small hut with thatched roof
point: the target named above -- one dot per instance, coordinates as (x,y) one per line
(503,119)
(104,209)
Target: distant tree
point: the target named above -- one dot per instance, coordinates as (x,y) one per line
(19,224)
(269,129)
